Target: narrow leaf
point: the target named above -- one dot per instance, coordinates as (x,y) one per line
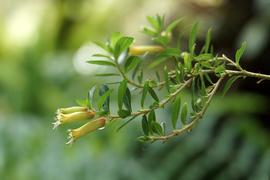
(123,113)
(240,52)
(121,93)
(156,127)
(184,113)
(153,94)
(122,44)
(107,74)
(173,24)
(145,125)
(144,93)
(208,40)
(91,94)
(152,116)
(127,100)
(229,84)
(124,124)
(103,63)
(192,38)
(104,99)
(175,110)
(131,63)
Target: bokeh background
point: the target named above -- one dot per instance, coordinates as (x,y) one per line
(43,48)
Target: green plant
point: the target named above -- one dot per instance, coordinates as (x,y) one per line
(202,71)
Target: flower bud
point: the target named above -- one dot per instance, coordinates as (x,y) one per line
(72,109)
(89,127)
(72,115)
(141,50)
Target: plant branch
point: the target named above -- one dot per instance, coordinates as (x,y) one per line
(160,105)
(189,126)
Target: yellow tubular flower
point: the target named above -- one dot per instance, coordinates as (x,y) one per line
(141,50)
(71,109)
(72,117)
(89,127)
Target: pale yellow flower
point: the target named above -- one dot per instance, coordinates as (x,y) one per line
(72,114)
(89,127)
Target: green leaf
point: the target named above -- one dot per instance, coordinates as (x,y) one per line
(157,75)
(170,52)
(103,56)
(154,23)
(162,40)
(140,76)
(192,38)
(127,100)
(204,57)
(173,24)
(107,74)
(104,99)
(103,63)
(240,52)
(144,93)
(156,127)
(145,125)
(152,116)
(114,38)
(184,113)
(132,62)
(83,102)
(202,88)
(153,94)
(187,60)
(143,139)
(122,44)
(102,45)
(229,84)
(124,124)
(166,78)
(121,93)
(135,71)
(175,110)
(91,94)
(123,113)
(157,62)
(149,32)
(220,69)
(208,40)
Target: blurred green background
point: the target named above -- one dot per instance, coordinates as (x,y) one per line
(43,48)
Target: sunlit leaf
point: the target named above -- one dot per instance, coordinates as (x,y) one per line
(101,62)
(107,74)
(173,24)
(208,40)
(240,52)
(121,45)
(192,38)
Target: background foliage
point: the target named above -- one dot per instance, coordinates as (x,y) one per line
(43,50)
